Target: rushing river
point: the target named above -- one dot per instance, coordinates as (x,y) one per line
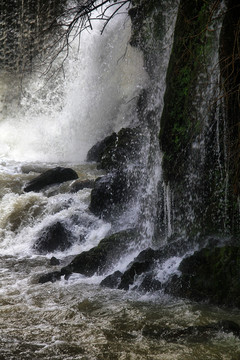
(54,123)
(77,318)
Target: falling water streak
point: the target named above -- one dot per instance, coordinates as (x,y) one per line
(152,154)
(168,201)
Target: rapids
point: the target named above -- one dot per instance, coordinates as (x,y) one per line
(54,123)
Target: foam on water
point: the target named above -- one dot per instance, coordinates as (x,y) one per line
(24,217)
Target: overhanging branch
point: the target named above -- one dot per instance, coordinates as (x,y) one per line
(74,20)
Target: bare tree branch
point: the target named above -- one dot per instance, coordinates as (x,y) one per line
(74,20)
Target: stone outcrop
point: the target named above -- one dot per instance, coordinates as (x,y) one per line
(100,258)
(113,191)
(96,152)
(210,275)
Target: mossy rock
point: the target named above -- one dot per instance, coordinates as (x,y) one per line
(210,275)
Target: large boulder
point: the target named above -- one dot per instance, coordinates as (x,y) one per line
(209,275)
(53,238)
(53,176)
(96,152)
(113,151)
(125,148)
(110,194)
(100,258)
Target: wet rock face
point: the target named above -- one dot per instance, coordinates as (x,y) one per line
(114,190)
(54,238)
(53,176)
(128,277)
(109,195)
(100,258)
(97,151)
(122,149)
(112,281)
(113,151)
(209,275)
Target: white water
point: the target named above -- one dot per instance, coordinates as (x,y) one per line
(45,123)
(61,119)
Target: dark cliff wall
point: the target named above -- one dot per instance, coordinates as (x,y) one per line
(230,83)
(192,129)
(199,134)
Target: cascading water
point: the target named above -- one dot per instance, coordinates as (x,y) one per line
(61,119)
(55,122)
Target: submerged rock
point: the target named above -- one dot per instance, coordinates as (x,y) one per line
(100,258)
(50,177)
(128,277)
(211,274)
(53,238)
(80,185)
(54,261)
(50,277)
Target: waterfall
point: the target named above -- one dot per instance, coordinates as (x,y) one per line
(59,119)
(56,121)
(99,267)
